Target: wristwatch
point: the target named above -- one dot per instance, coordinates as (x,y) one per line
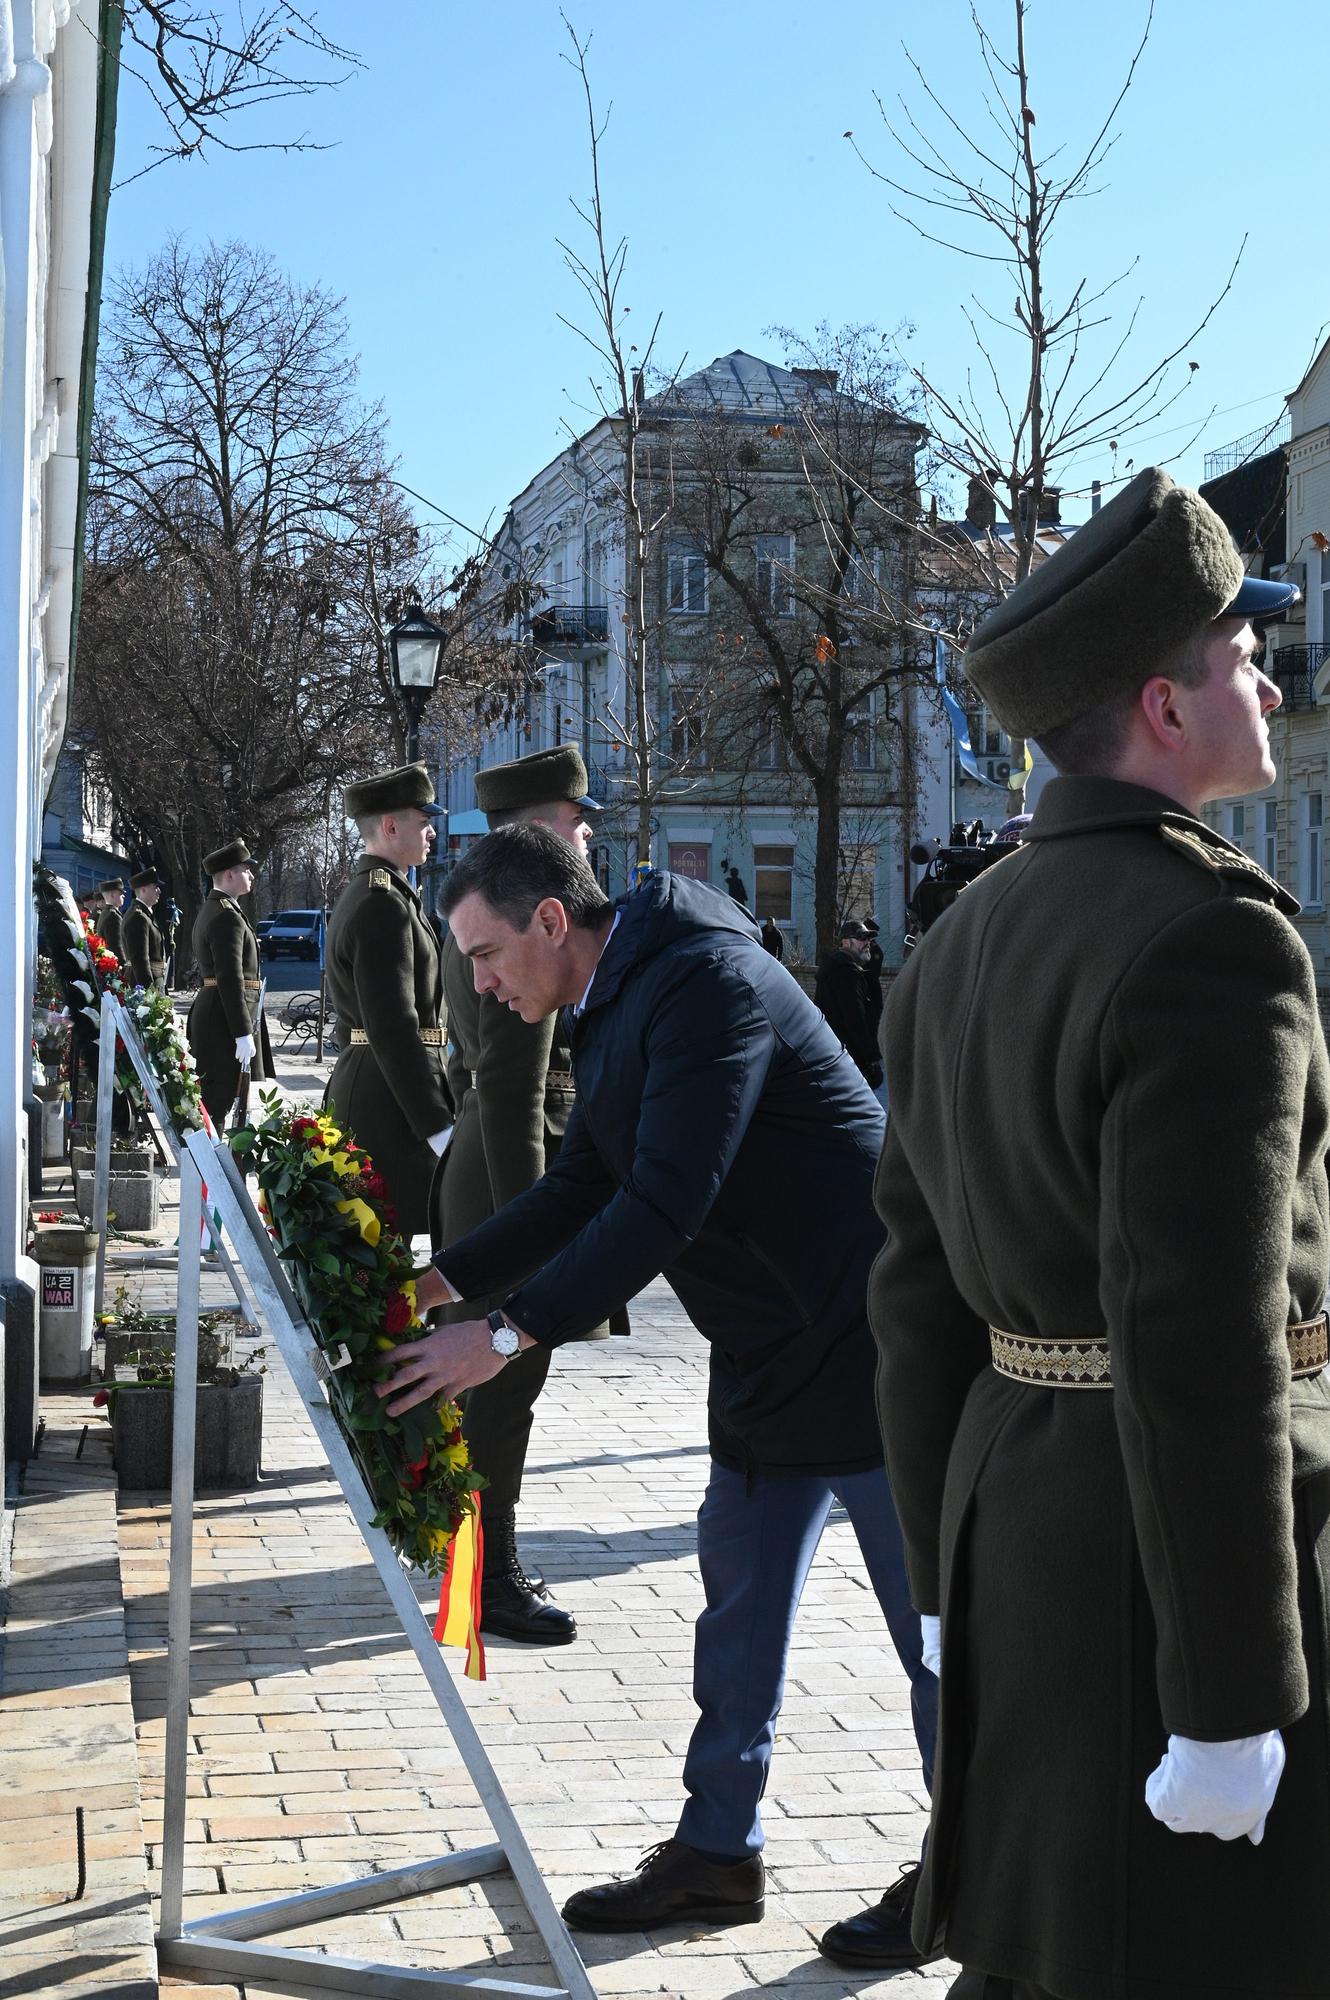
(503,1338)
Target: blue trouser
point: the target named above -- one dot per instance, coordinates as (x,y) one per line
(755,1546)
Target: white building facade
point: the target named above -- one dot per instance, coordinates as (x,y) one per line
(57,117)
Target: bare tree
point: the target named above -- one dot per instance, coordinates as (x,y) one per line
(625,472)
(1052,380)
(204,66)
(240,499)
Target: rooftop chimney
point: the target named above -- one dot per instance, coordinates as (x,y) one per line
(981,502)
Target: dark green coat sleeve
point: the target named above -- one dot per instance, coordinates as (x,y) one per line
(1198,1177)
(227,938)
(510,1074)
(931,1345)
(384,974)
(134,933)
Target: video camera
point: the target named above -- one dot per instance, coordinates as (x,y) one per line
(971,849)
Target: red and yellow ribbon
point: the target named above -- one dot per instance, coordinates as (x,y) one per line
(458,1622)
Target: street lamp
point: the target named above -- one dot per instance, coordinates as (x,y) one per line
(416,644)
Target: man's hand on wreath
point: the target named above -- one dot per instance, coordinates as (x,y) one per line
(445,1362)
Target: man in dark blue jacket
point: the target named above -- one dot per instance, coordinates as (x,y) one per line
(722,1136)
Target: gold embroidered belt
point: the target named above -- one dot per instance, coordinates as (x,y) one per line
(251,985)
(1084,1364)
(433,1037)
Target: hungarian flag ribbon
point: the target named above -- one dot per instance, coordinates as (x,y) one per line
(458,1622)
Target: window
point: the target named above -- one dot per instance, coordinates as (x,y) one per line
(1270,837)
(686,576)
(775,883)
(1313,833)
(861,745)
(1237,824)
(686,722)
(769,751)
(857,882)
(861,577)
(775,564)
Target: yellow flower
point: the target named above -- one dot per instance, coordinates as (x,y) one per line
(366,1221)
(454,1457)
(385,1343)
(438,1539)
(344,1166)
(320,1155)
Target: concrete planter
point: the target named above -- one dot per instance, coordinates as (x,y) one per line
(227,1440)
(132,1201)
(217,1337)
(124,1159)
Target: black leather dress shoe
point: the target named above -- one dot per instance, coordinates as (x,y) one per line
(880,1936)
(674,1884)
(511,1609)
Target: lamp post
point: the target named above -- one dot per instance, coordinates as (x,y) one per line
(416,644)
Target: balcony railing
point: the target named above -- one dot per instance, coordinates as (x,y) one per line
(556,626)
(1293,669)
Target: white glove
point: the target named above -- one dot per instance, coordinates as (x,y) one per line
(244,1050)
(931,1628)
(441,1141)
(1221,1788)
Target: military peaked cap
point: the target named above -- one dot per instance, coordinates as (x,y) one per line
(1148,572)
(146,877)
(226,857)
(392,791)
(114,885)
(541,779)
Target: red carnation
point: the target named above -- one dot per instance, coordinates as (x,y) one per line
(300,1126)
(101,1399)
(397,1317)
(374,1185)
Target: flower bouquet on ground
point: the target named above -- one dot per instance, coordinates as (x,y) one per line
(329,1215)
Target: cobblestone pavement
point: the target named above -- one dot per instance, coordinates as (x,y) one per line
(319,1755)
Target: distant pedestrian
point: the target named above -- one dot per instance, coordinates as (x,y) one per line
(842,994)
(772,938)
(873,975)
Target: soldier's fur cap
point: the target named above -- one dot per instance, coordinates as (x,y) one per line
(114,885)
(146,877)
(392,791)
(226,857)
(1143,576)
(541,779)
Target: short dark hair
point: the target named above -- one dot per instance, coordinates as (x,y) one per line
(517,867)
(1091,744)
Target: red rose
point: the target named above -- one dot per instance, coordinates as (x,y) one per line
(301,1126)
(374,1185)
(101,1399)
(397,1317)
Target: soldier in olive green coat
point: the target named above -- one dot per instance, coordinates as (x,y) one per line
(144,945)
(389,1089)
(227,1045)
(1100,1315)
(107,921)
(513,1088)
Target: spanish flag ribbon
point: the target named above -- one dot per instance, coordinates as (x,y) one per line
(458,1622)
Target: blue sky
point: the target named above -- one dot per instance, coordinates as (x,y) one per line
(455,151)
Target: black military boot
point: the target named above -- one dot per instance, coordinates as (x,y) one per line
(510,1608)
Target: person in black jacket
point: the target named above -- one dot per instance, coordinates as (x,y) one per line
(842,994)
(722,1136)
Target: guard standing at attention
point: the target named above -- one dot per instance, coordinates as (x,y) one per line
(144,946)
(1101,1313)
(107,920)
(389,1089)
(512,1085)
(221,1027)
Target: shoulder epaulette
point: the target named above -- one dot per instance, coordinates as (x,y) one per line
(1234,868)
(379,878)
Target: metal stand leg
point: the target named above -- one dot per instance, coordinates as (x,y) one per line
(182,1549)
(101,1176)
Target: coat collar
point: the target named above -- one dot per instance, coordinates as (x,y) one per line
(1089,805)
(366,862)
